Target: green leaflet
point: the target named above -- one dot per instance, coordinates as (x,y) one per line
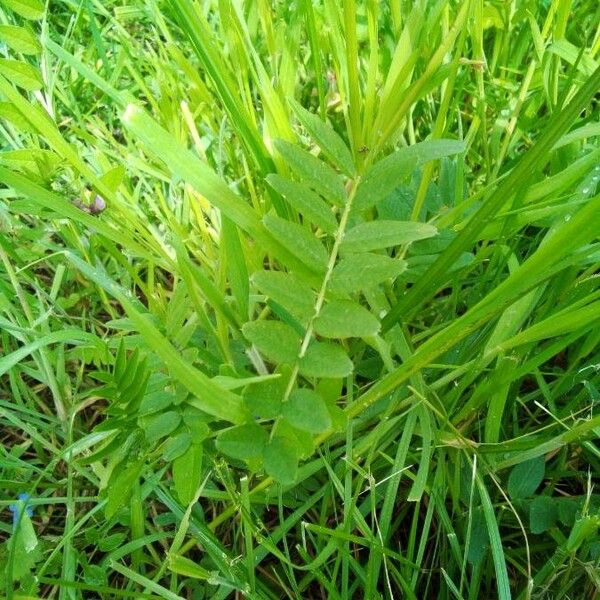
(374,235)
(242,442)
(307,411)
(276,340)
(289,291)
(280,457)
(20,39)
(309,169)
(120,486)
(324,359)
(263,399)
(344,318)
(387,174)
(22,74)
(543,514)
(160,425)
(526,477)
(187,473)
(305,201)
(329,141)
(28,9)
(299,241)
(358,272)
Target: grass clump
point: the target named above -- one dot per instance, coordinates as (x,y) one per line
(299,300)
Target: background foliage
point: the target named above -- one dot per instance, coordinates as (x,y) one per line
(299,300)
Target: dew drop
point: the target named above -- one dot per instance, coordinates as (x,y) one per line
(567,218)
(585,190)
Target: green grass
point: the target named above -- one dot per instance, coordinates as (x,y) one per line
(335,332)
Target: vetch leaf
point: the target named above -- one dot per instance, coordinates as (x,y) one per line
(329,141)
(160,425)
(387,174)
(242,442)
(307,411)
(374,235)
(319,176)
(358,272)
(324,359)
(187,473)
(543,514)
(22,74)
(280,458)
(28,9)
(299,241)
(344,318)
(276,340)
(525,477)
(305,201)
(120,486)
(263,399)
(289,291)
(20,39)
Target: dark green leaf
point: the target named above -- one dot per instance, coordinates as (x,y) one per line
(383,234)
(329,141)
(525,477)
(344,318)
(281,459)
(307,411)
(324,359)
(276,340)
(243,442)
(299,241)
(543,514)
(312,171)
(305,201)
